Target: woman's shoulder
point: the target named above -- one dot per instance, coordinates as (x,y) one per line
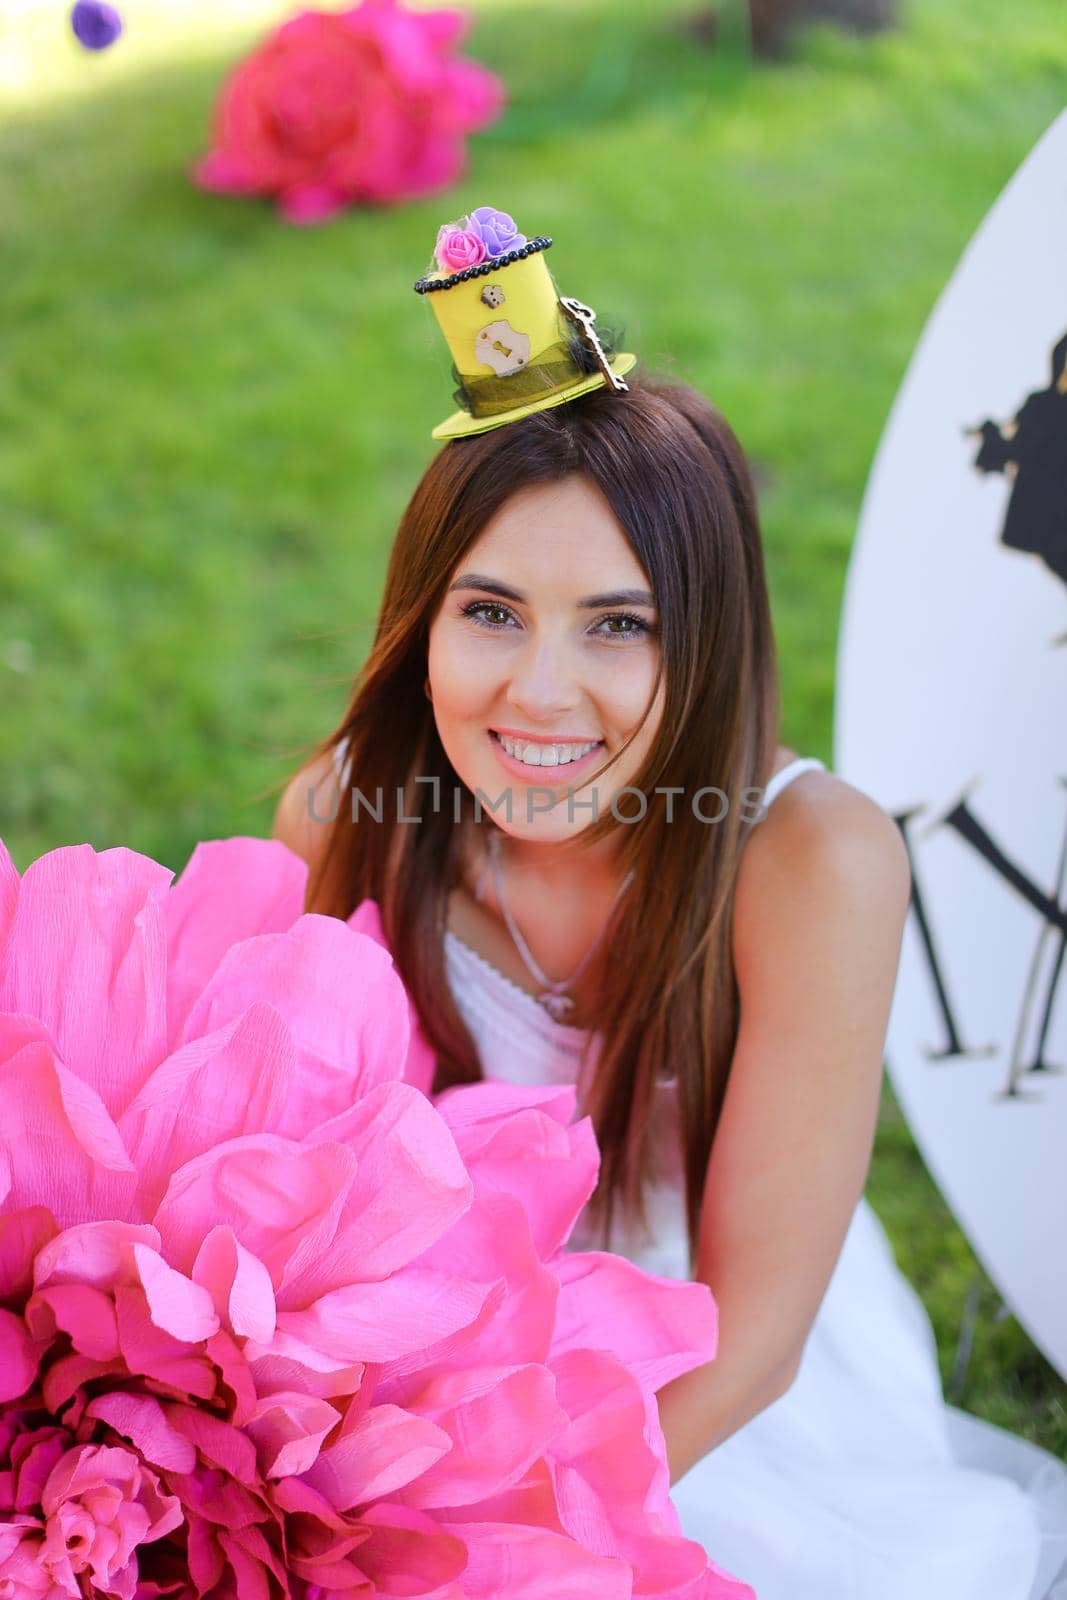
(820,806)
(822,844)
(307,805)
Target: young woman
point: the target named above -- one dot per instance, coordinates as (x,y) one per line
(573,689)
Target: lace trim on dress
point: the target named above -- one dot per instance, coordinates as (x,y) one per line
(561,1034)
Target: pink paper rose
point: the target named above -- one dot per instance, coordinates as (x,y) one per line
(275,1324)
(337,108)
(99,1504)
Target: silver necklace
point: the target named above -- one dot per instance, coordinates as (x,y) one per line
(554,1000)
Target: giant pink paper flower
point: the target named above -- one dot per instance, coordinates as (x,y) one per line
(339,107)
(272,1324)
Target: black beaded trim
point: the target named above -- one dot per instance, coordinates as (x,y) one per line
(429,285)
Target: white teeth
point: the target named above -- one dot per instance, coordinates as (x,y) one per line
(546,755)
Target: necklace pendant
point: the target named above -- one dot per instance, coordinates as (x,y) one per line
(557,1005)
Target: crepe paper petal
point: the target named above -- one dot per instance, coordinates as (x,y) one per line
(23,1235)
(87,957)
(176,1305)
(217,1442)
(409,1189)
(494,1235)
(445,27)
(33,1462)
(412,55)
(605,1483)
(212,1497)
(230,889)
(659,1327)
(499,1423)
(283,1201)
(140,1419)
(239,1285)
(59,1147)
(395,1381)
(84,1313)
(550,1170)
(287,1360)
(234,1374)
(536,1564)
(341,998)
(386,1450)
(235,1080)
(524,1142)
(232,172)
(421,1062)
(407,1552)
(149,1351)
(288,1429)
(68,1376)
(9,894)
(383,1321)
(18,1357)
(99,1253)
(309,203)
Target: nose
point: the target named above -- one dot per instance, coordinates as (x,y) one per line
(543,686)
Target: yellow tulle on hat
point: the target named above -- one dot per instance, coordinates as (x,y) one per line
(510,333)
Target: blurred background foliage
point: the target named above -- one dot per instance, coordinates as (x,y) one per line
(210,420)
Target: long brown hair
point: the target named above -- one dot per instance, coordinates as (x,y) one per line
(677,482)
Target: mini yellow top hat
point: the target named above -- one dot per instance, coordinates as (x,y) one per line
(515,340)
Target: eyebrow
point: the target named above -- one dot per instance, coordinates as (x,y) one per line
(590,602)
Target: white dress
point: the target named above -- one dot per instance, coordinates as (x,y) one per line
(860,1483)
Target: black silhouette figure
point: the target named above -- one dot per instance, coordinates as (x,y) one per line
(1032,451)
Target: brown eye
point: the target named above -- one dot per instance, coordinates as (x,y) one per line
(477,610)
(635,629)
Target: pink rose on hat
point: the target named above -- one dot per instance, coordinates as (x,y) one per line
(458,248)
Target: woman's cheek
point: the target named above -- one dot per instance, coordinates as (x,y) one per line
(454,665)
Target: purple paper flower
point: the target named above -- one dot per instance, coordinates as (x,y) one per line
(95,24)
(496,230)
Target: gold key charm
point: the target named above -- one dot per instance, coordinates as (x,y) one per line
(584,317)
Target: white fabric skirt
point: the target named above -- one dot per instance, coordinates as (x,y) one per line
(860,1483)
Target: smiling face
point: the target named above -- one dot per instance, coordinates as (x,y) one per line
(547,637)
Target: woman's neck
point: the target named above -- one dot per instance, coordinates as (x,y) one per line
(561,909)
(557,865)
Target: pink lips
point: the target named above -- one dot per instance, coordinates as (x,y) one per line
(519,769)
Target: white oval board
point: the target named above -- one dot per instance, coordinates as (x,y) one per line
(951,710)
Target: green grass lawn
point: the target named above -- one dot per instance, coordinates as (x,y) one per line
(210,421)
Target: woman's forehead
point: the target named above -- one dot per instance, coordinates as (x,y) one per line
(565,529)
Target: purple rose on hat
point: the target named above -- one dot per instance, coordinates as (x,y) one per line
(496,230)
